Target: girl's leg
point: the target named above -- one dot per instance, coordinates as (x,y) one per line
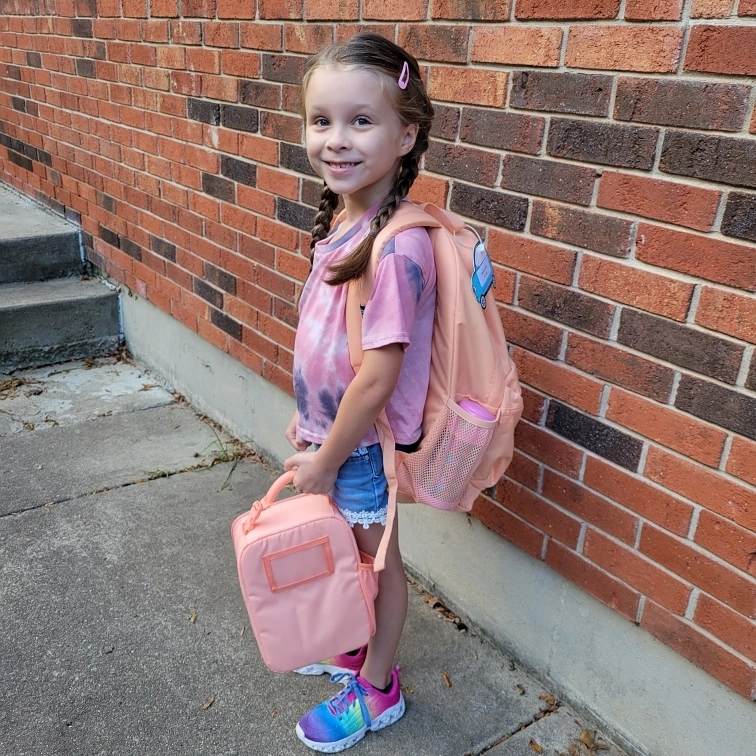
(390,605)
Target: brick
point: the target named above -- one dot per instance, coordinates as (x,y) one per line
(528,255)
(500,130)
(717,404)
(321,10)
(531,333)
(672,202)
(86,68)
(166,8)
(722,50)
(257,36)
(700,256)
(637,287)
(594,435)
(294,214)
(727,312)
(577,9)
(751,379)
(220,278)
(695,566)
(605,143)
(538,512)
(700,649)
(507,525)
(261,94)
(739,218)
(466,163)
(709,488)
(548,178)
(239,63)
(580,94)
(275,9)
(676,343)
(163,248)
(207,292)
(82,27)
(747,8)
(653,10)
(589,230)
(722,159)
(446,122)
(729,626)
(218,187)
(389,10)
(652,49)
(567,306)
(729,541)
(283,68)
(525,471)
(620,367)
(711,8)
(667,427)
(637,571)
(487,206)
(589,507)
(517,45)
(443,43)
(474,86)
(593,580)
(692,104)
(226,324)
(471,10)
(741,460)
(202,60)
(239,170)
(542,444)
(557,380)
(425,189)
(240,118)
(198,8)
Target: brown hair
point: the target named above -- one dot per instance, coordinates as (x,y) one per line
(371,52)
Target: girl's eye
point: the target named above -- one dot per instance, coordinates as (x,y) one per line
(321,122)
(362,121)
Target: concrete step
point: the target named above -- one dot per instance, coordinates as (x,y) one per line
(35,244)
(45,322)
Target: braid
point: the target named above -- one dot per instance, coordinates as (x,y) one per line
(328,202)
(355,264)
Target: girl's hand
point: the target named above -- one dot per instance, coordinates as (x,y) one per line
(291,434)
(311,476)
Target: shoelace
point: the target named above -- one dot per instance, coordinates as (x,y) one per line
(339,704)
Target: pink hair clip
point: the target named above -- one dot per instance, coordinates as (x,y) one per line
(404,76)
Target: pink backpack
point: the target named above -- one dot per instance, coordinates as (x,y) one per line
(474,400)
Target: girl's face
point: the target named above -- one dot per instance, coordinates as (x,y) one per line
(353,135)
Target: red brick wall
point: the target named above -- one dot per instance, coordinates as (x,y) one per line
(611,162)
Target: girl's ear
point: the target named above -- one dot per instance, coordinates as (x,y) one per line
(408,138)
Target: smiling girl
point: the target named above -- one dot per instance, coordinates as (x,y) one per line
(367,118)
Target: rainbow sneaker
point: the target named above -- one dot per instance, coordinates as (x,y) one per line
(350,663)
(343,720)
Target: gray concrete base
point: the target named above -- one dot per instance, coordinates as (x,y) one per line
(649,699)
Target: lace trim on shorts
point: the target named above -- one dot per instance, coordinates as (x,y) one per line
(366,519)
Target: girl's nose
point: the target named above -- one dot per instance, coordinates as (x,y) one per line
(338,139)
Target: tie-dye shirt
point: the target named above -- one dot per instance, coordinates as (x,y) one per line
(399,311)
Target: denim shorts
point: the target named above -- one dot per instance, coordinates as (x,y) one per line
(361,489)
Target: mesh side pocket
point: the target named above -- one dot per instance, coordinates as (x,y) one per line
(439,471)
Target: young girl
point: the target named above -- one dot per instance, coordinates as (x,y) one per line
(367,119)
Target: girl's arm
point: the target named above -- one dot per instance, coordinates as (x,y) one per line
(362,402)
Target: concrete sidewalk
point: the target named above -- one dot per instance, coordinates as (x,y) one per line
(122,626)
